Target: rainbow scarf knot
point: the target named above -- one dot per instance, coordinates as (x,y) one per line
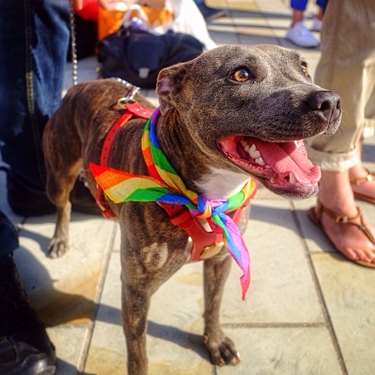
(164,185)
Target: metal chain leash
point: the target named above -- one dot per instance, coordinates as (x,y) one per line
(73,44)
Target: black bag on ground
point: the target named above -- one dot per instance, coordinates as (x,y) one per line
(137,56)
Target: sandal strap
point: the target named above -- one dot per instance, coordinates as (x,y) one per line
(360,180)
(339,218)
(346,219)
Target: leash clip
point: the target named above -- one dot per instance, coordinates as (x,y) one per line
(133,91)
(128,98)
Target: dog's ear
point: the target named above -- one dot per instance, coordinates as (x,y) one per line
(164,88)
(168,84)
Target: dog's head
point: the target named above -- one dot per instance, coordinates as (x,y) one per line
(249,109)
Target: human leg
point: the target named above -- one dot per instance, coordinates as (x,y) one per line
(322,4)
(32,80)
(363,181)
(297,32)
(35,35)
(346,56)
(24,345)
(318,19)
(298,10)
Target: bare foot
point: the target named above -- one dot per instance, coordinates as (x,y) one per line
(336,194)
(349,240)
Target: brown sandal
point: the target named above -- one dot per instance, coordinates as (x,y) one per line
(315,215)
(358,181)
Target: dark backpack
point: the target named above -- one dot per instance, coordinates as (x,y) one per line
(137,56)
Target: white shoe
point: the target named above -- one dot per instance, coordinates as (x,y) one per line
(301,36)
(317,24)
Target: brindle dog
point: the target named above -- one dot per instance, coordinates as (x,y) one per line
(232,113)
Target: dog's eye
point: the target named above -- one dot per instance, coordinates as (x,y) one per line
(305,69)
(241,75)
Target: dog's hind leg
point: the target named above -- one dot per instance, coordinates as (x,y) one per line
(221,347)
(62,148)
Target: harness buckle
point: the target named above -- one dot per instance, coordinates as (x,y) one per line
(211,250)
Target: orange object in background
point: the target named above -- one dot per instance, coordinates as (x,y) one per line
(154,17)
(109,21)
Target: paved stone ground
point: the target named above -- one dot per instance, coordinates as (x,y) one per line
(308,311)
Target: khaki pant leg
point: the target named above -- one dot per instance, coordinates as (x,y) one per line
(369,129)
(347,67)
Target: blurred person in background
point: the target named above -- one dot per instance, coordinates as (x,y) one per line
(298,33)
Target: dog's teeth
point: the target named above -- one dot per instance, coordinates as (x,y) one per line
(243,143)
(254,153)
(247,148)
(292,180)
(252,149)
(260,161)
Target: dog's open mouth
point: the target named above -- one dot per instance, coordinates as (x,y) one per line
(283,167)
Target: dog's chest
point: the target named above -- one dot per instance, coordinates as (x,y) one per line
(221,183)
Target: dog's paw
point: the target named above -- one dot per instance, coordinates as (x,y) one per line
(57,247)
(222,349)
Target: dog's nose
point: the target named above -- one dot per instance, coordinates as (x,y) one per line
(326,102)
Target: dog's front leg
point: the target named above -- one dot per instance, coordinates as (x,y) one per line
(221,347)
(135,306)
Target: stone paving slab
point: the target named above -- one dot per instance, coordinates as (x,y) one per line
(348,292)
(70,342)
(65,291)
(78,271)
(282,289)
(295,350)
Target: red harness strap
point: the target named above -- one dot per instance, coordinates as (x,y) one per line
(205,243)
(131,110)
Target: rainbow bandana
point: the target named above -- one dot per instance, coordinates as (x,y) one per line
(165,186)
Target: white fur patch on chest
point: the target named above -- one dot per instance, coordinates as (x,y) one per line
(221,183)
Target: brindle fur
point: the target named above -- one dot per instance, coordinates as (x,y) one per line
(199,103)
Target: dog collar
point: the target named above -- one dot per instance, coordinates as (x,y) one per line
(185,207)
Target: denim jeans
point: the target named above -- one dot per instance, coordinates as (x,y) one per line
(34,39)
(302,4)
(8,236)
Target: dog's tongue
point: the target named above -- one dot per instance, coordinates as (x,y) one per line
(289,157)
